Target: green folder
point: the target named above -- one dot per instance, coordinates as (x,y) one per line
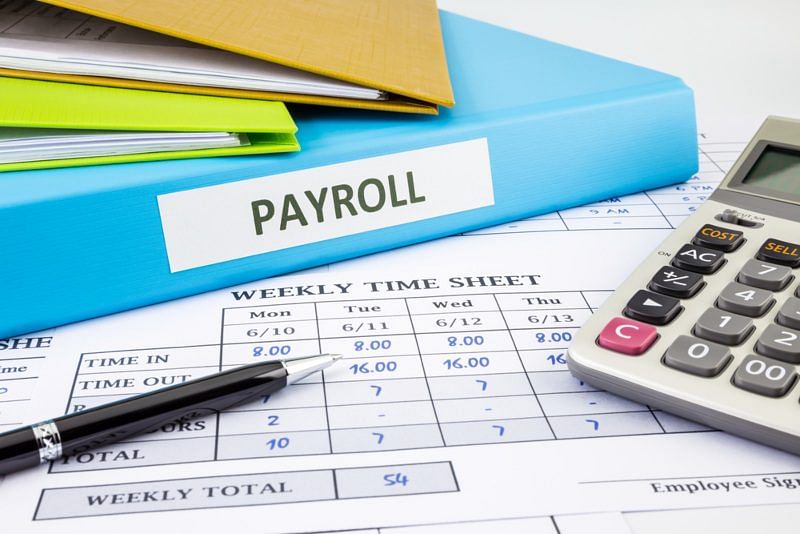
(41,104)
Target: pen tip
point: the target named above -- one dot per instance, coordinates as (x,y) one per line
(299,368)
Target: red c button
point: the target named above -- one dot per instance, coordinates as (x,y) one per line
(627,336)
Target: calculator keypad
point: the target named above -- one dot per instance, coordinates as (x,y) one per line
(780,342)
(696,356)
(769,369)
(723,327)
(744,300)
(676,282)
(652,308)
(764,376)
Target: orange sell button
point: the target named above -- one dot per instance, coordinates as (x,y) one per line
(781,252)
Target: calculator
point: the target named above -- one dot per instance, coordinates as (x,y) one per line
(708,326)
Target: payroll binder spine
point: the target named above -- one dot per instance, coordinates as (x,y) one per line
(85,255)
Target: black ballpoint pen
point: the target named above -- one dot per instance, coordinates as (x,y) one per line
(74,433)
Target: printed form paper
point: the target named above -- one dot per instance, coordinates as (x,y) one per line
(452,408)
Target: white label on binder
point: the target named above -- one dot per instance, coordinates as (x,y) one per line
(235,220)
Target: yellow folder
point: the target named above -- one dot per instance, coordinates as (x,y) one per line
(391,45)
(41,104)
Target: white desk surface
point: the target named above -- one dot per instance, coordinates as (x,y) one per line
(742,58)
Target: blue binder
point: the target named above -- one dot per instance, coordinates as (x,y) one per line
(563,127)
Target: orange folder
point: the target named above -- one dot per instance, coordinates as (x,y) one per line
(392,45)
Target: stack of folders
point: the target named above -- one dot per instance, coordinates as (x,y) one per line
(82,89)
(538,127)
(52,124)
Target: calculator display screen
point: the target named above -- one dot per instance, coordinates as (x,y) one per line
(777,169)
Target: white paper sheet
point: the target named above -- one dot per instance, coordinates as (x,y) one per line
(41,37)
(453,403)
(38,144)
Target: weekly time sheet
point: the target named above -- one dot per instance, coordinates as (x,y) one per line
(452,404)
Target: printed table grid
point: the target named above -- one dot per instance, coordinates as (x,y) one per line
(663,208)
(18,378)
(418,372)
